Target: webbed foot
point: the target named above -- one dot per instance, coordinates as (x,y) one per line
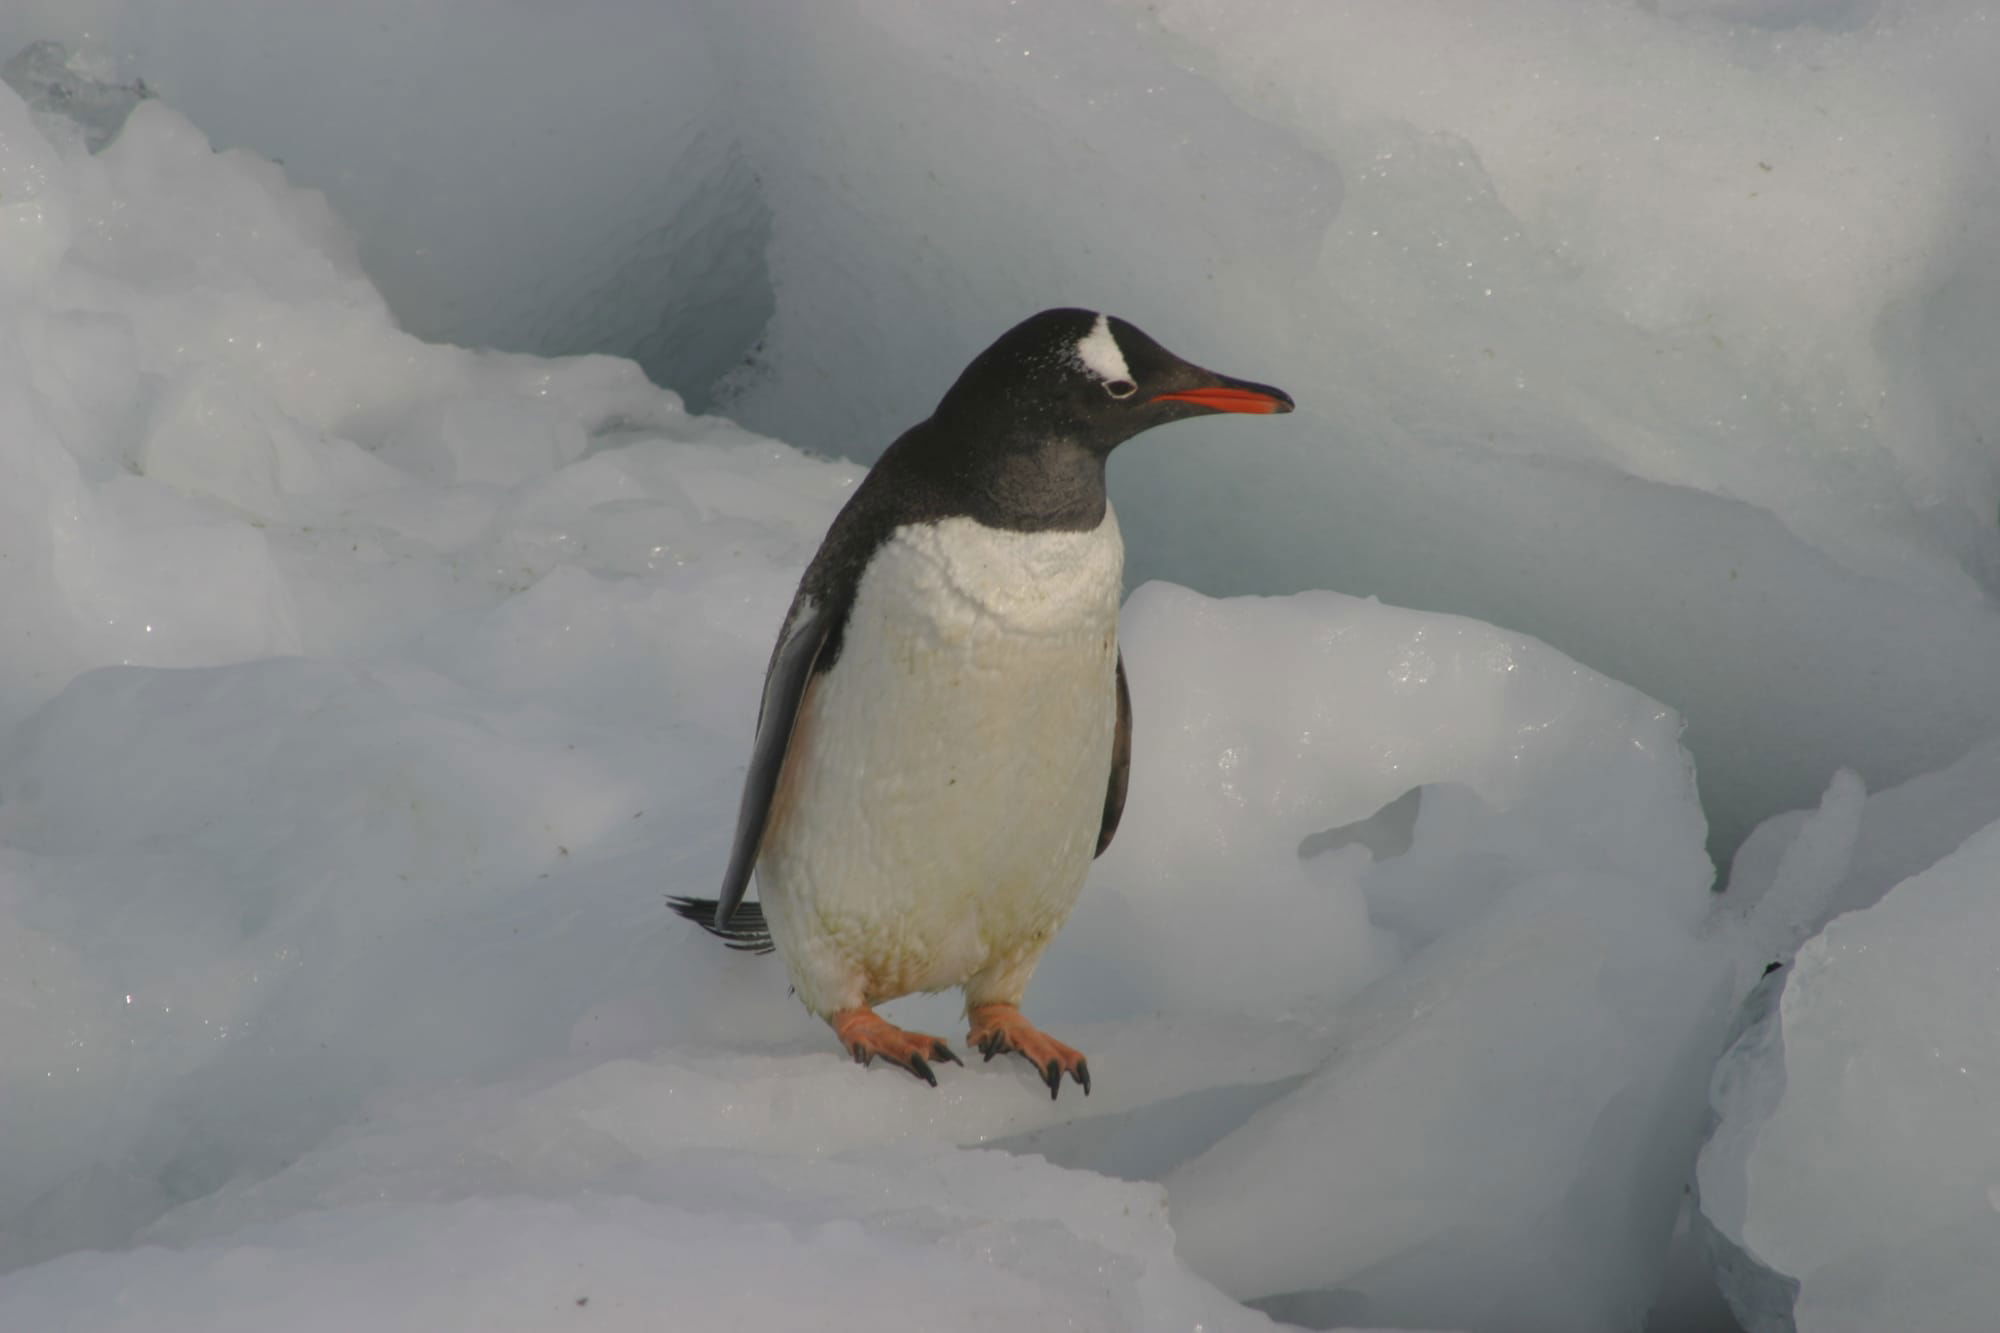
(867,1034)
(999,1028)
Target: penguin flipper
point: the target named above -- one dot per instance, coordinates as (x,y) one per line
(1121,765)
(784,691)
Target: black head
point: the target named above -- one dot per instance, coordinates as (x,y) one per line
(1020,443)
(1081,378)
(1021,439)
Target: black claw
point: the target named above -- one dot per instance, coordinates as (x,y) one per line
(922,1070)
(862,1055)
(1082,1076)
(940,1051)
(1053,1077)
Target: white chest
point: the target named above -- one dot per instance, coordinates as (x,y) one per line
(942,800)
(966,577)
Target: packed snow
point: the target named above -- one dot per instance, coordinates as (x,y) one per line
(366,694)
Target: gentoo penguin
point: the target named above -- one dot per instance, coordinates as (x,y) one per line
(945,730)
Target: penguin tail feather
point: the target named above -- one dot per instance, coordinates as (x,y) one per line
(747,930)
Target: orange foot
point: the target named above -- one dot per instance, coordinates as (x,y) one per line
(999,1028)
(866,1035)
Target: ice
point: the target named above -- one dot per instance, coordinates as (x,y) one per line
(547,183)
(1513,1104)
(1520,980)
(1798,871)
(364,694)
(69,104)
(206,385)
(1794,875)
(32,203)
(1522,757)
(1783,902)
(373,693)
(722,1240)
(1853,1167)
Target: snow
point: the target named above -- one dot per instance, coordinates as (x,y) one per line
(365,694)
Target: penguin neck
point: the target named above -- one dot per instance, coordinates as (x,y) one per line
(1046,485)
(1056,485)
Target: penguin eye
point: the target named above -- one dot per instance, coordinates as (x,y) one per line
(1121,388)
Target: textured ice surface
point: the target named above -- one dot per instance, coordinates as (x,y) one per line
(1794,874)
(917,1239)
(1512,1102)
(1526,760)
(1799,870)
(1856,1159)
(71,102)
(365,696)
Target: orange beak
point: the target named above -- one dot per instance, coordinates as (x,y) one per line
(1262,402)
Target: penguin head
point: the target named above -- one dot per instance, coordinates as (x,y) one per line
(1089,379)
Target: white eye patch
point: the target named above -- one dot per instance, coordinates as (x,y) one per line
(1100,354)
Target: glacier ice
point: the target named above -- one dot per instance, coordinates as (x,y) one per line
(364,694)
(1851,1174)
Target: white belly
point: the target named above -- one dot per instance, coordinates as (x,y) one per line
(941,799)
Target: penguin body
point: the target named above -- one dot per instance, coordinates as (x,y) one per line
(945,787)
(945,730)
